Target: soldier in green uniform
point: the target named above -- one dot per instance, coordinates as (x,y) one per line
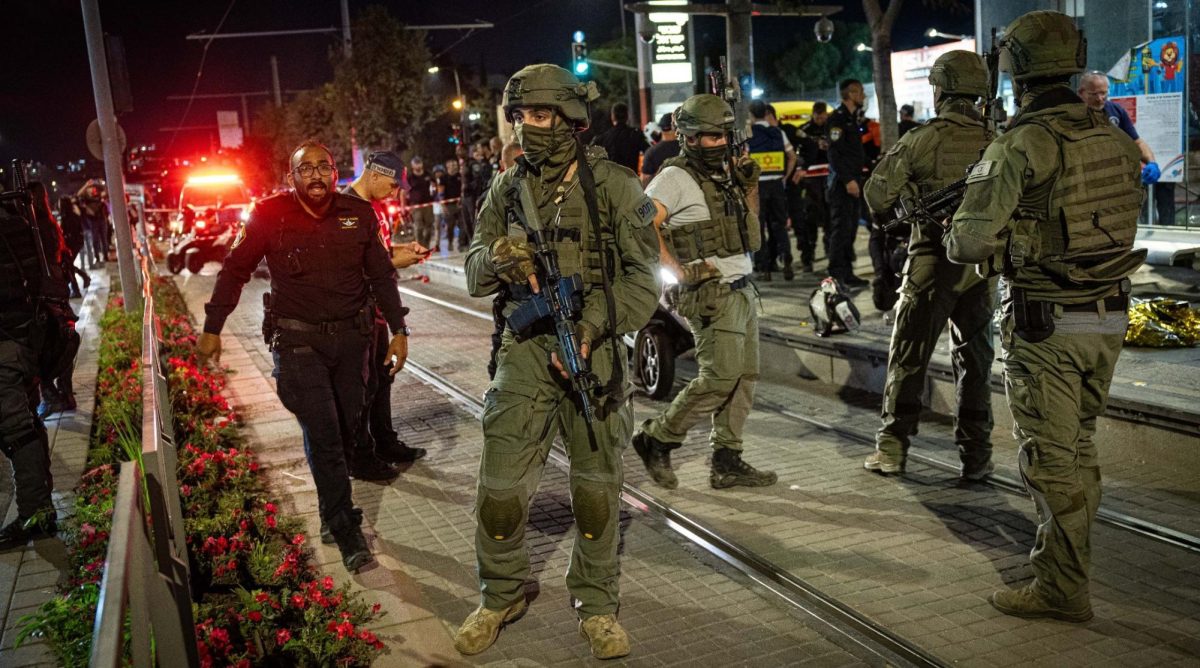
(928,158)
(707,232)
(1053,207)
(599,224)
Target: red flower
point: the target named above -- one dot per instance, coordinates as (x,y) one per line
(262,597)
(327,583)
(376,608)
(298,601)
(298,539)
(255,616)
(270,508)
(282,636)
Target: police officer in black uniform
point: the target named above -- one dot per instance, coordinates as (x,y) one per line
(326,261)
(28,285)
(812,149)
(846,163)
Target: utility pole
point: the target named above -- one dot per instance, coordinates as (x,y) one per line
(114,162)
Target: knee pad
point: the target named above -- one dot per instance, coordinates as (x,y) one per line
(590,501)
(501,514)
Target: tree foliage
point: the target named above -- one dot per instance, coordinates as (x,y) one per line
(379,91)
(610,81)
(810,66)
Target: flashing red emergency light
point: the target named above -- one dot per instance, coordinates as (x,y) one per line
(212,179)
(200,224)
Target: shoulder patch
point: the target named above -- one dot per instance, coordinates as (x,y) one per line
(835,134)
(646,210)
(241,236)
(982,171)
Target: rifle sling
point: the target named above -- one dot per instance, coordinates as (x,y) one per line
(616,382)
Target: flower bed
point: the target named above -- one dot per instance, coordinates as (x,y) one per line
(257,598)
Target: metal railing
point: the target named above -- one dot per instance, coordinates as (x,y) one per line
(146,575)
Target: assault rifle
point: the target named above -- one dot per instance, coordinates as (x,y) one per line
(23,199)
(729,90)
(941,204)
(559,298)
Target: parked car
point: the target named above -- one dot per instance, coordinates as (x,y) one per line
(655,347)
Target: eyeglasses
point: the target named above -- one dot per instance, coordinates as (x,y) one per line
(306,170)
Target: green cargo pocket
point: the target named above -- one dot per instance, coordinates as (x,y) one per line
(1024,395)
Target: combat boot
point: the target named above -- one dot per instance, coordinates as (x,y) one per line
(398,452)
(481,627)
(364,465)
(605,635)
(656,456)
(729,470)
(1028,603)
(881,462)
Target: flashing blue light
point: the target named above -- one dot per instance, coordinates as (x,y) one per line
(577,36)
(581,67)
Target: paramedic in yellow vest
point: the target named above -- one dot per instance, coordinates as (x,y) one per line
(770,148)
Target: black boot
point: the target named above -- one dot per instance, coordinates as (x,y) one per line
(398,452)
(346,529)
(364,465)
(42,524)
(327,535)
(656,456)
(728,470)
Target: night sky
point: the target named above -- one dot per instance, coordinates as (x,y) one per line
(46,105)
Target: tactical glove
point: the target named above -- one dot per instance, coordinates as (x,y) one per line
(512,259)
(747,171)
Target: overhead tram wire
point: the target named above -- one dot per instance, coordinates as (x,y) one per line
(199,74)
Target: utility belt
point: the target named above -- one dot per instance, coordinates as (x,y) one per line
(703,300)
(1033,320)
(273,324)
(361,321)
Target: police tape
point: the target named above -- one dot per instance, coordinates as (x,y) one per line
(814,171)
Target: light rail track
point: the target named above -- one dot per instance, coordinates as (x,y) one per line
(868,636)
(1107,516)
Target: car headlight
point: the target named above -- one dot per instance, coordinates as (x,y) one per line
(667,277)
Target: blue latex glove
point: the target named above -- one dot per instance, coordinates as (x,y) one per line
(1151,173)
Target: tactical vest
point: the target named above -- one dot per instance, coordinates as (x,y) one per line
(767,149)
(959,141)
(21,270)
(573,239)
(732,229)
(1077,230)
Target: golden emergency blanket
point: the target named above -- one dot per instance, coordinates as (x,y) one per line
(1162,323)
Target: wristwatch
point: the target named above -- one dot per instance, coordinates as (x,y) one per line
(404,330)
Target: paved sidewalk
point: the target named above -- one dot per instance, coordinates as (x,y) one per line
(29,577)
(679,606)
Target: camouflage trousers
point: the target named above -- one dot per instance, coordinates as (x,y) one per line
(727,354)
(1056,390)
(527,405)
(933,292)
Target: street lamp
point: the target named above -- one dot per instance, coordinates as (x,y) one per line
(860,47)
(934,32)
(434,70)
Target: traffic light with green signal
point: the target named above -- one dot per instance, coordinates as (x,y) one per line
(579,62)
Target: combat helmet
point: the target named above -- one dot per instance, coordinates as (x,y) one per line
(960,73)
(1043,44)
(547,85)
(703,113)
